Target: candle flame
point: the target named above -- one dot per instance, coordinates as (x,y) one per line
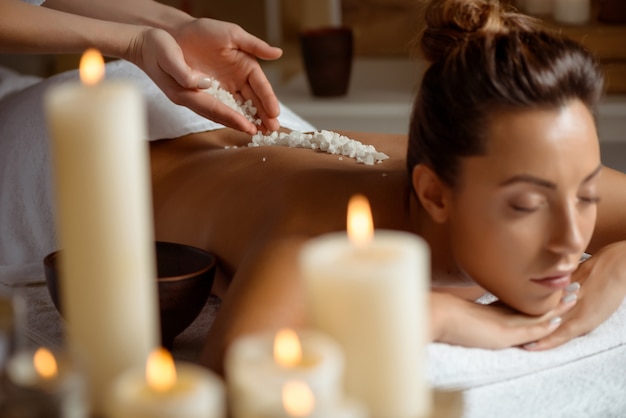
(45,363)
(360,223)
(91,67)
(298,399)
(160,370)
(287,348)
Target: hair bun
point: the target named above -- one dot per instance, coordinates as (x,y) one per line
(450,22)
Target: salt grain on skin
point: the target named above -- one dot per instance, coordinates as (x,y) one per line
(328,141)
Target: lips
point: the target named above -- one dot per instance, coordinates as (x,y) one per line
(558,282)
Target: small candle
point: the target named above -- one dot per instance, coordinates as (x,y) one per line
(574,12)
(164,389)
(104,215)
(258,365)
(298,401)
(43,383)
(370,295)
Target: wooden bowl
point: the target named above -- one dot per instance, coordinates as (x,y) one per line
(185,275)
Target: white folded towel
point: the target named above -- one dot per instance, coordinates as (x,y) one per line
(455,367)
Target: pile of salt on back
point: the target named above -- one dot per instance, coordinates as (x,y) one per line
(327,141)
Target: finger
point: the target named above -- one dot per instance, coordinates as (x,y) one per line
(263,90)
(267,123)
(257,47)
(211,108)
(568,301)
(565,333)
(528,336)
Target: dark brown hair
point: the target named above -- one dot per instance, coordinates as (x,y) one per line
(486,58)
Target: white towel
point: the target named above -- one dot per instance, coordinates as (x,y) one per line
(27,230)
(455,367)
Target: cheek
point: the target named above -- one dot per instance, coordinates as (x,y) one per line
(486,248)
(499,255)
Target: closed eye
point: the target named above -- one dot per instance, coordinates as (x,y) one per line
(524,209)
(589,199)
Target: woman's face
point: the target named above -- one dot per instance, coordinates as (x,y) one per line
(523,214)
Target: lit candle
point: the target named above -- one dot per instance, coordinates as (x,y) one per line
(43,383)
(298,401)
(164,389)
(574,12)
(258,365)
(104,216)
(370,295)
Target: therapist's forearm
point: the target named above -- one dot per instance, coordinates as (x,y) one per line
(25,28)
(139,12)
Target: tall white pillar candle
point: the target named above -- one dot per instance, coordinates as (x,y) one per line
(372,298)
(108,273)
(573,12)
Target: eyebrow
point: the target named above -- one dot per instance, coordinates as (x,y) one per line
(527,178)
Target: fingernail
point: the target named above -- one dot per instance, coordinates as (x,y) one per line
(555,322)
(572,287)
(569,298)
(205,83)
(529,345)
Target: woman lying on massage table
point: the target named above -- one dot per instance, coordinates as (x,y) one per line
(504,182)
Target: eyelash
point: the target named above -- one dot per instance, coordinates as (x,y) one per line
(586,200)
(589,200)
(523,209)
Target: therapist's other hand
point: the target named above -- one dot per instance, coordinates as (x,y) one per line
(461,322)
(603,288)
(179,64)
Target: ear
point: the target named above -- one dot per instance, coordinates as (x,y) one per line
(433,194)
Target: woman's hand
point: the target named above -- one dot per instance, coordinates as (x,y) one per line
(181,61)
(461,322)
(603,288)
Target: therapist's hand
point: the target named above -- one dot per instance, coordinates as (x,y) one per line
(603,288)
(180,62)
(229,54)
(461,322)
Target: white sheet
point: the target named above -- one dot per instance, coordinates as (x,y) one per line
(27,231)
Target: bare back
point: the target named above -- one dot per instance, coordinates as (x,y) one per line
(230,200)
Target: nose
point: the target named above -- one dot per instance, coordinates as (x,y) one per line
(570,229)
